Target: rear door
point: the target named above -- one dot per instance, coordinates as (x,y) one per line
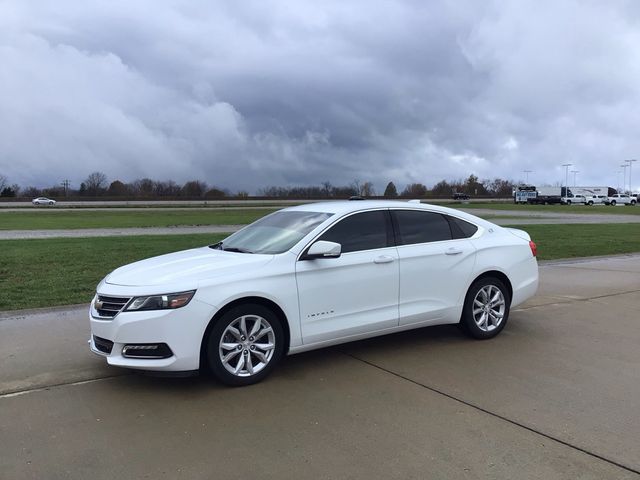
(357,292)
(436,262)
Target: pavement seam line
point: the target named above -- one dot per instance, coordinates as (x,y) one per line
(496,415)
(26,391)
(566,301)
(576,267)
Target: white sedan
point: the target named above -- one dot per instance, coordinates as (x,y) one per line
(307,277)
(43,201)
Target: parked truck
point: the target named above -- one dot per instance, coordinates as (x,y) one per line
(590,191)
(549,195)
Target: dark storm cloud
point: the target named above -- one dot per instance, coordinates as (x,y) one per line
(246,94)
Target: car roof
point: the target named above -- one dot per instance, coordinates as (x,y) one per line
(342,207)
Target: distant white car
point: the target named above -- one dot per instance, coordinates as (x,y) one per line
(622,199)
(307,277)
(43,201)
(574,200)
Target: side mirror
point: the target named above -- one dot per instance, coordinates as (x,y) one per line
(323,249)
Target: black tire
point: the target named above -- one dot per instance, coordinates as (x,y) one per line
(212,355)
(590,204)
(633,203)
(568,202)
(613,203)
(468,322)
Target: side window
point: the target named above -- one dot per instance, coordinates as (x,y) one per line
(420,227)
(362,231)
(460,228)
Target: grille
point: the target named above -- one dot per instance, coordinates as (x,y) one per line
(109,307)
(103,345)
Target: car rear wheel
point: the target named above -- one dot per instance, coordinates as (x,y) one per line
(245,345)
(633,203)
(486,308)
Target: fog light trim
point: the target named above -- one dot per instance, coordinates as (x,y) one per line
(148,351)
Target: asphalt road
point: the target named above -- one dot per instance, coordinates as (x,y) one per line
(556,395)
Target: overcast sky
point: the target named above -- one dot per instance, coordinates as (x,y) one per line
(244,94)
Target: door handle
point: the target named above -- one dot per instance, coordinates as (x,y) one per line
(384,259)
(453,251)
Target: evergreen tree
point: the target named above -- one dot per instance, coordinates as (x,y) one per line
(391,190)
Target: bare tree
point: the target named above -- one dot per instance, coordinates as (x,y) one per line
(118,189)
(414,190)
(367,189)
(3,181)
(194,189)
(95,183)
(326,188)
(168,188)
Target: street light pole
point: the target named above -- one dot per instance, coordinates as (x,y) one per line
(566,178)
(630,162)
(527,172)
(574,177)
(624,177)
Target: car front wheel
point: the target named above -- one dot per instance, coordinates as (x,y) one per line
(613,202)
(245,345)
(486,308)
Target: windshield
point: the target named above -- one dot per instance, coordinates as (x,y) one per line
(275,233)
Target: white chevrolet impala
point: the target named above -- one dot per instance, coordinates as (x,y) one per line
(307,277)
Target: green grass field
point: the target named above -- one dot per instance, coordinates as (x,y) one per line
(71,219)
(63,271)
(583,240)
(48,272)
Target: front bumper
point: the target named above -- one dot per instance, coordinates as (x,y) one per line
(181,329)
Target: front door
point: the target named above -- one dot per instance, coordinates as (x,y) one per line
(357,292)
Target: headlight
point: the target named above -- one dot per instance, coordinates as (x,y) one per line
(160,302)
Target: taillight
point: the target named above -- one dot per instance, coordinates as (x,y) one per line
(534,248)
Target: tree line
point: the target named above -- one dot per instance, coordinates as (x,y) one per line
(97,185)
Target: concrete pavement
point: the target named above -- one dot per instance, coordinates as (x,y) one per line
(556,395)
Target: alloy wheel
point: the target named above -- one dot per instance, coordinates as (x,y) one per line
(247,345)
(489,308)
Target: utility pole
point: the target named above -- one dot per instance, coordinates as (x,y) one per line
(65,184)
(566,177)
(630,162)
(527,172)
(624,177)
(574,177)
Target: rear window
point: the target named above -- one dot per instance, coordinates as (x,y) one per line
(461,228)
(420,227)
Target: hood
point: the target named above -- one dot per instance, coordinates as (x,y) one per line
(188,266)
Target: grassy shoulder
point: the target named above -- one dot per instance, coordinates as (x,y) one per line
(72,219)
(48,272)
(583,240)
(62,271)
